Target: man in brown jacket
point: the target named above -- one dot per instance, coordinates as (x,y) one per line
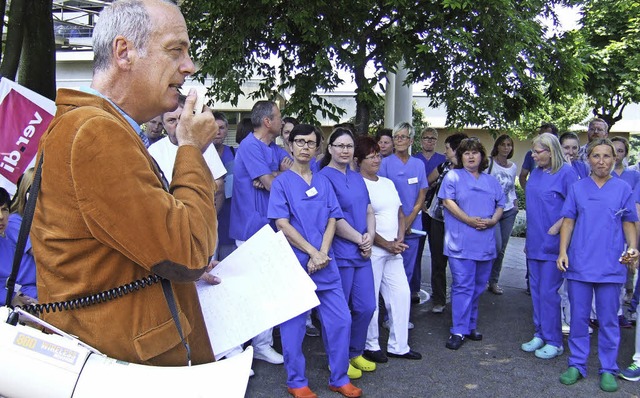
(103,218)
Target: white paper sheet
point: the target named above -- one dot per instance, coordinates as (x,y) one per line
(262,286)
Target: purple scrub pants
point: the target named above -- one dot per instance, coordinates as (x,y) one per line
(410,255)
(336,325)
(469,282)
(544,281)
(359,292)
(607,304)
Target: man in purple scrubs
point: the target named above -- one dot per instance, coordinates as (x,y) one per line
(258,161)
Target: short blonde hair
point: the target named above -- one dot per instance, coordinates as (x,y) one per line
(550,142)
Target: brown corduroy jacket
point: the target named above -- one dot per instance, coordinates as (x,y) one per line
(103,220)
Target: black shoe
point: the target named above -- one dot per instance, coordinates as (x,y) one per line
(455,341)
(375,356)
(409,355)
(415,298)
(474,335)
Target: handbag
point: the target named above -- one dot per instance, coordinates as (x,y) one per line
(435,208)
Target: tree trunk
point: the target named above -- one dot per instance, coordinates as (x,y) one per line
(13,44)
(38,65)
(3,7)
(363,105)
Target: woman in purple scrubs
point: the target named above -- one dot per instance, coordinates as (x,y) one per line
(473,203)
(547,189)
(305,209)
(353,241)
(599,216)
(570,147)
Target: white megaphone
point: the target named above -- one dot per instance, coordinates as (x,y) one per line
(36,364)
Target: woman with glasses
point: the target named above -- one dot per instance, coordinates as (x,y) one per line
(473,203)
(305,209)
(410,180)
(386,257)
(352,243)
(547,190)
(598,242)
(505,172)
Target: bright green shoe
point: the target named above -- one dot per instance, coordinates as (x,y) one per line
(571,376)
(354,373)
(363,364)
(608,382)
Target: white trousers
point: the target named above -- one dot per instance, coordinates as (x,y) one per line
(390,280)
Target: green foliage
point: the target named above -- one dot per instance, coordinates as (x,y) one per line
(485,61)
(571,111)
(634,149)
(609,46)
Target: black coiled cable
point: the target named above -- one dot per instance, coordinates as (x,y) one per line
(81,302)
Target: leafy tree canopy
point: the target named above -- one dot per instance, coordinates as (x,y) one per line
(608,43)
(484,60)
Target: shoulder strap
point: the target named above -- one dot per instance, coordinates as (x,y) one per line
(490,165)
(168,295)
(25,227)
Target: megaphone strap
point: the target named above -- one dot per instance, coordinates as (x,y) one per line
(93,299)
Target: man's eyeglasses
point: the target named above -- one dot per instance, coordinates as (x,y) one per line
(430,138)
(300,143)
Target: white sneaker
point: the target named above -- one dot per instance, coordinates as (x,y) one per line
(268,354)
(438,309)
(410,326)
(251,373)
(565,328)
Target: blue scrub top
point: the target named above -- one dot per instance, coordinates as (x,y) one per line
(477,197)
(528,162)
(27,272)
(308,209)
(409,178)
(353,197)
(254,158)
(545,196)
(631,177)
(430,164)
(580,168)
(598,239)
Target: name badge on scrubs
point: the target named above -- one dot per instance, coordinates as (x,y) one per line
(413,180)
(312,192)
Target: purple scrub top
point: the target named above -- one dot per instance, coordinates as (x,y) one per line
(308,209)
(254,158)
(545,196)
(353,198)
(409,178)
(598,239)
(430,164)
(477,197)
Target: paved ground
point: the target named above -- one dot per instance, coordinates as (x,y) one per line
(494,367)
